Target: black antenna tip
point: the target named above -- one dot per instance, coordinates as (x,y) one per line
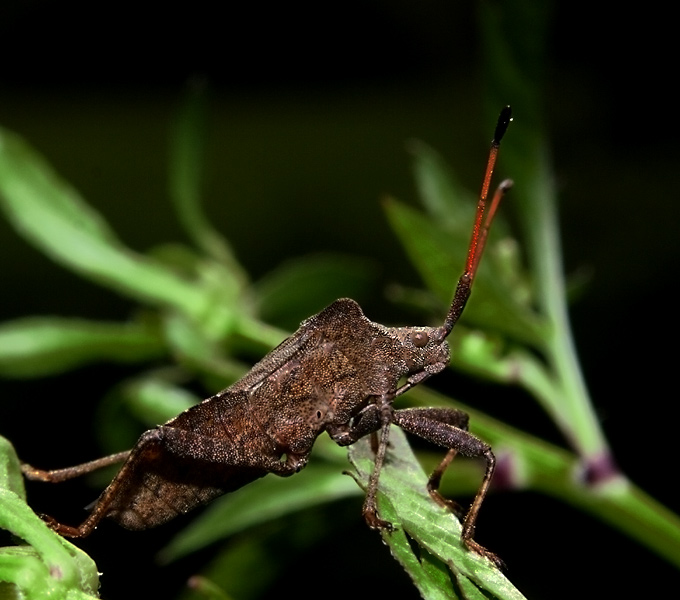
(503,121)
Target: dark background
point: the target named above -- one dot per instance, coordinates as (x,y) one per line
(311,106)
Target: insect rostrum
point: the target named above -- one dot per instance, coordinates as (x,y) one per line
(338,373)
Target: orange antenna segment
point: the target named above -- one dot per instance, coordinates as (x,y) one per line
(480,229)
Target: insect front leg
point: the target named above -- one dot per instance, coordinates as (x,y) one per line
(448,428)
(366,422)
(370,508)
(375,417)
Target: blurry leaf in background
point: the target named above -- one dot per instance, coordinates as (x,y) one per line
(52,216)
(40,346)
(437,244)
(297,289)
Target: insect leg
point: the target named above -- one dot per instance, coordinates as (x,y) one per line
(375,417)
(446,428)
(370,508)
(59,475)
(171,471)
(366,422)
(458,419)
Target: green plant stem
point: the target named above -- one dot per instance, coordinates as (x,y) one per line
(515,45)
(543,467)
(185,177)
(573,409)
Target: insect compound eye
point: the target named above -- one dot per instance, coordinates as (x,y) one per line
(420,339)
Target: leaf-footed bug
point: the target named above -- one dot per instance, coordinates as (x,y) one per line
(339,373)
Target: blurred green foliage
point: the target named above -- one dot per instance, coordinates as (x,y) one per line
(201,318)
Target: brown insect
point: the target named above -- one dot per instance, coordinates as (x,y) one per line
(338,373)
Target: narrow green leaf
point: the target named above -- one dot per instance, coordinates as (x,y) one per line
(439,190)
(432,584)
(52,216)
(297,289)
(185,177)
(49,566)
(403,500)
(10,470)
(38,346)
(261,501)
(439,255)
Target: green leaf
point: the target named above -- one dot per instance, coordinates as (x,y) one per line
(439,190)
(185,176)
(403,501)
(297,289)
(439,255)
(47,566)
(52,216)
(265,500)
(39,346)
(11,478)
(154,400)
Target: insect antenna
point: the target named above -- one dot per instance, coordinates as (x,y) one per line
(480,230)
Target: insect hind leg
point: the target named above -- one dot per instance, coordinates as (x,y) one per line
(448,428)
(456,418)
(59,475)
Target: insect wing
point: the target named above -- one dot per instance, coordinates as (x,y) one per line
(196,457)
